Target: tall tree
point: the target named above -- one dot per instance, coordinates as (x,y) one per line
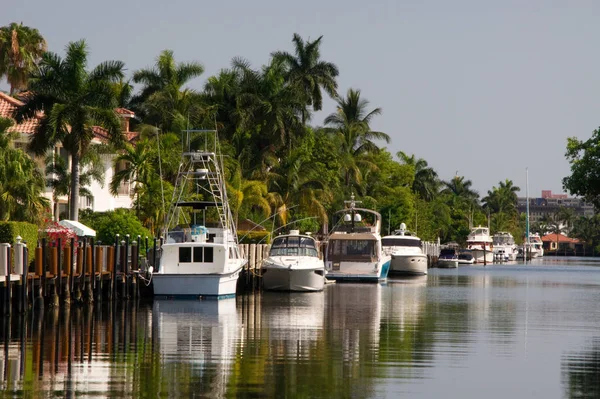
(73,102)
(21,48)
(426,182)
(21,183)
(307,73)
(163,99)
(350,126)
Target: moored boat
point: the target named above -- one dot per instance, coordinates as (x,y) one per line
(448,258)
(480,244)
(405,250)
(504,247)
(293,264)
(354,250)
(465,257)
(198,259)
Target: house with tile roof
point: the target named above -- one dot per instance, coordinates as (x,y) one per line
(560,243)
(103,200)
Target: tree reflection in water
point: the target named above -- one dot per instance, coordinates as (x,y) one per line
(581,372)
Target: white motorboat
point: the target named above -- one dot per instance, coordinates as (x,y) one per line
(535,248)
(354,250)
(198,259)
(405,250)
(480,244)
(448,258)
(293,264)
(504,247)
(465,257)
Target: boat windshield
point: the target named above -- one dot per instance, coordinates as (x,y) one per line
(356,250)
(400,242)
(448,252)
(293,246)
(503,240)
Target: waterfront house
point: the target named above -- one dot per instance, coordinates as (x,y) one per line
(102,200)
(561,244)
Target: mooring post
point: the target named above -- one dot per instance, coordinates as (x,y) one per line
(7,280)
(60,268)
(44,267)
(154,265)
(90,271)
(54,272)
(123,278)
(127,281)
(113,284)
(72,268)
(98,258)
(25,276)
(36,295)
(135,250)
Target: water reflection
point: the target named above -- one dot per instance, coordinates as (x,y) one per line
(498,331)
(581,370)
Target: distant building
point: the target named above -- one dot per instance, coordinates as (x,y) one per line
(549,204)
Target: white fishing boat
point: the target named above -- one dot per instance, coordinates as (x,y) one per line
(293,264)
(504,247)
(480,244)
(354,250)
(534,249)
(448,258)
(405,250)
(199,257)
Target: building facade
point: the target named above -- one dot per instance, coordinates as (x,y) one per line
(550,204)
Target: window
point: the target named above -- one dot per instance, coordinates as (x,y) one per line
(198,254)
(185,254)
(208,254)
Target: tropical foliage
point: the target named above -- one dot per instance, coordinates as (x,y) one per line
(282,165)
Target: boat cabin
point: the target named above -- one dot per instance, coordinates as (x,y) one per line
(400,241)
(294,245)
(358,247)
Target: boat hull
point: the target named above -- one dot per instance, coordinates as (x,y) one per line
(481,256)
(408,264)
(360,272)
(286,279)
(447,263)
(195,285)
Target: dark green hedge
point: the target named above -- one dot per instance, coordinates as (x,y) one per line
(254,237)
(29,232)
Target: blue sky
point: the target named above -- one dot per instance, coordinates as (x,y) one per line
(484,88)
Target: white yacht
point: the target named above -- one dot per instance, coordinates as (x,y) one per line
(354,250)
(405,250)
(448,258)
(535,248)
(293,264)
(480,244)
(504,247)
(199,260)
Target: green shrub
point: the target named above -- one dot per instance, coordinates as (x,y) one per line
(254,237)
(29,232)
(120,221)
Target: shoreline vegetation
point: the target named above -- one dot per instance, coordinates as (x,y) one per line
(279,159)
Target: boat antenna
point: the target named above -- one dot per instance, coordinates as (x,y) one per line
(162,189)
(287,224)
(260,224)
(527,246)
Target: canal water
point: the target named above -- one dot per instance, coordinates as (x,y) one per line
(496,331)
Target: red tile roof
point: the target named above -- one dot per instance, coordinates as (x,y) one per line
(561,238)
(7,106)
(124,111)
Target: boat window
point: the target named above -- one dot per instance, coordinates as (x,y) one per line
(293,246)
(185,254)
(447,252)
(352,247)
(175,236)
(400,242)
(198,254)
(208,254)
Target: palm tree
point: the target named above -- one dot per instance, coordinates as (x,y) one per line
(58,177)
(307,73)
(163,100)
(139,168)
(74,103)
(426,182)
(21,183)
(350,125)
(21,48)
